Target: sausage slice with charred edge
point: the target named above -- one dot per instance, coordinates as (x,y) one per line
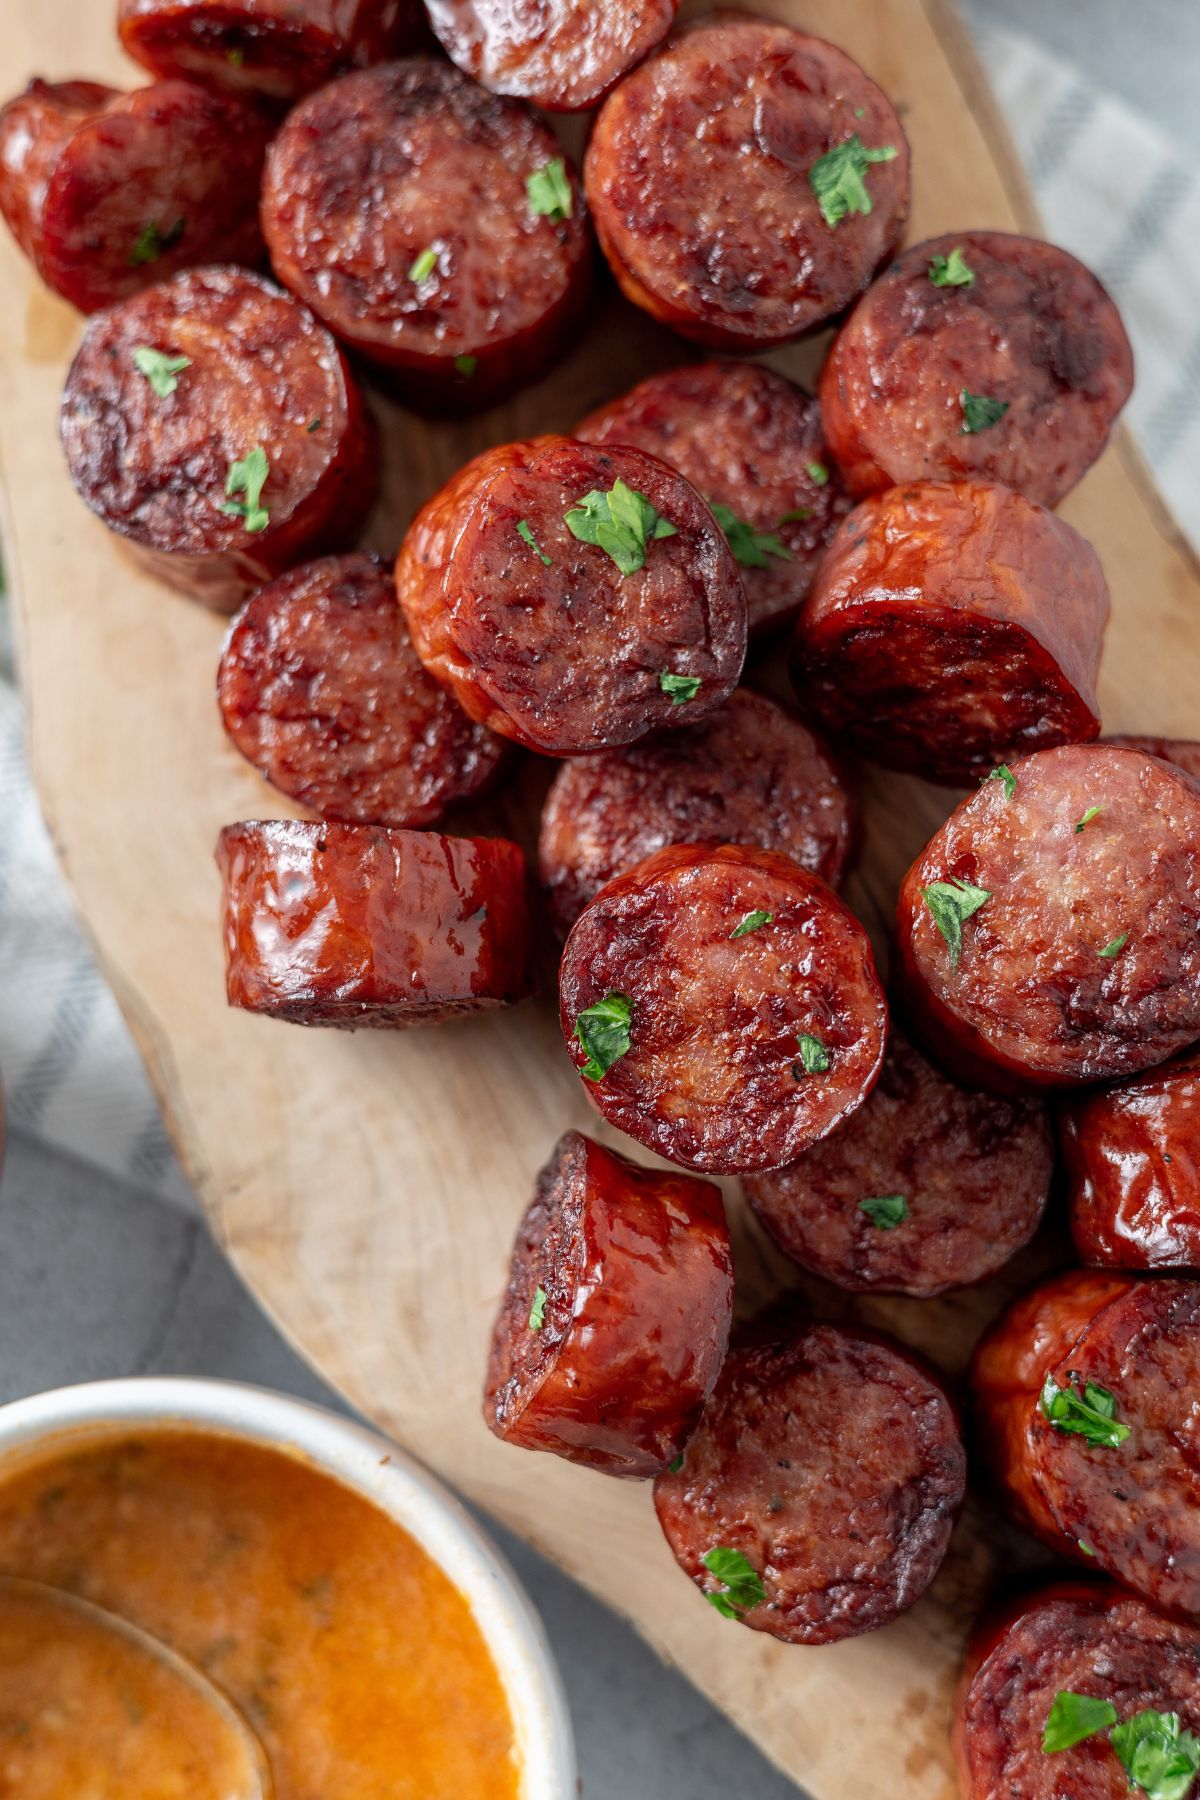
(615,1321)
(556,55)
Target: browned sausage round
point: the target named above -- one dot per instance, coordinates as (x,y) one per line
(615,1321)
(751,442)
(832,1466)
(749,774)
(106,192)
(953,624)
(170,455)
(1073,1638)
(562,623)
(321,689)
(278,48)
(1085,1399)
(1183,752)
(1049,933)
(926,1187)
(1132,1157)
(399,203)
(558,55)
(980,354)
(729,184)
(722,1007)
(355,925)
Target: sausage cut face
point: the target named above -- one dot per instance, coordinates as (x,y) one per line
(557,55)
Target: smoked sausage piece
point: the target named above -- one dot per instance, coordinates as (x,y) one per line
(321,689)
(356,925)
(1183,752)
(1132,1156)
(746,182)
(106,192)
(171,459)
(1077,1637)
(953,624)
(399,203)
(1049,933)
(833,1465)
(751,442)
(558,55)
(615,1321)
(926,1187)
(750,774)
(979,355)
(573,598)
(722,1007)
(279,49)
(1085,1397)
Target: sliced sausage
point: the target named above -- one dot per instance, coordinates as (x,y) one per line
(833,1465)
(357,925)
(749,1018)
(751,442)
(168,459)
(981,355)
(615,1321)
(729,181)
(1183,752)
(953,624)
(277,48)
(561,56)
(1085,1399)
(926,1187)
(106,192)
(1069,1638)
(399,203)
(556,640)
(1073,884)
(1132,1156)
(749,774)
(321,689)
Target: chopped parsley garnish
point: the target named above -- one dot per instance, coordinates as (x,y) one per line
(1091,1415)
(1086,1548)
(160,370)
(750,923)
(838,178)
(673,1468)
(150,243)
(314,425)
(1115,948)
(813,1055)
(537,1312)
(951,902)
(603,1030)
(423,265)
(525,530)
(885,1210)
(1157,1754)
(741,1584)
(235,57)
(1003,773)
(750,546)
(679,688)
(797,516)
(979,411)
(549,190)
(1091,813)
(951,271)
(466,366)
(248,477)
(621,523)
(818,474)
(1074,1717)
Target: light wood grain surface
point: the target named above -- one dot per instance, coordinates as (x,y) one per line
(367,1187)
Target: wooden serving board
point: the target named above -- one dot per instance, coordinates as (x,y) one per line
(367,1187)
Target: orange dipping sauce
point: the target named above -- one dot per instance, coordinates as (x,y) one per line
(354,1658)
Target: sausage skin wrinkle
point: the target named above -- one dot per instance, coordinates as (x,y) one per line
(951,625)
(556,54)
(613,1363)
(698,179)
(834,1463)
(750,1037)
(356,925)
(1082,961)
(107,192)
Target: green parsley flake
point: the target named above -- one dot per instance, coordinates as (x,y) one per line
(159,369)
(750,546)
(314,425)
(423,266)
(525,530)
(466,366)
(885,1210)
(549,191)
(1158,1756)
(1003,773)
(603,1030)
(1092,812)
(537,1312)
(235,57)
(673,1468)
(951,902)
(151,242)
(952,271)
(979,411)
(679,688)
(1091,1415)
(741,1584)
(818,474)
(750,923)
(838,178)
(248,477)
(797,516)
(1074,1717)
(1115,948)
(814,1057)
(621,523)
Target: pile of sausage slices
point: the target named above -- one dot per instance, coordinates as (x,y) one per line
(590,598)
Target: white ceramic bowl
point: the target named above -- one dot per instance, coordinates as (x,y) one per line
(366,1462)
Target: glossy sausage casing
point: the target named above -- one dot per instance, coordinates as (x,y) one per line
(355,925)
(557,55)
(635,1275)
